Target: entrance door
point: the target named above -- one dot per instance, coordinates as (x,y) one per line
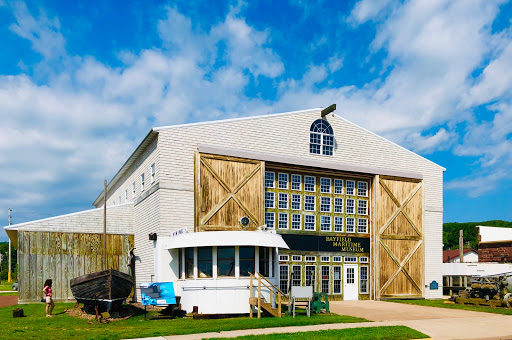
(350,287)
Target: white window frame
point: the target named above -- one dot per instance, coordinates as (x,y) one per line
(282,194)
(300,221)
(292,182)
(296,258)
(273,179)
(335,224)
(314,183)
(350,259)
(338,205)
(340,268)
(338,186)
(328,278)
(365,189)
(309,258)
(322,218)
(362,210)
(314,202)
(363,259)
(322,185)
(337,259)
(350,208)
(279,174)
(314,222)
(133,189)
(361,291)
(284,258)
(120,199)
(306,270)
(267,213)
(293,279)
(281,279)
(322,205)
(353,224)
(279,221)
(270,193)
(350,191)
(325,259)
(153,172)
(299,202)
(142,180)
(366,225)
(126,195)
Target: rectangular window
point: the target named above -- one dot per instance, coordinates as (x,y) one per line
(363,279)
(269,179)
(309,258)
(153,171)
(283,221)
(247,262)
(283,201)
(296,258)
(119,199)
(325,204)
(338,205)
(296,182)
(189,263)
(126,195)
(133,189)
(338,224)
(336,259)
(225,261)
(350,225)
(350,187)
(362,225)
(325,259)
(336,280)
(309,183)
(338,186)
(325,223)
(362,207)
(325,279)
(296,221)
(204,262)
(350,206)
(296,202)
(283,258)
(325,185)
(309,203)
(362,189)
(351,275)
(363,259)
(328,145)
(309,222)
(269,200)
(296,275)
(264,261)
(283,278)
(282,180)
(269,219)
(311,276)
(350,259)
(180,263)
(142,182)
(314,143)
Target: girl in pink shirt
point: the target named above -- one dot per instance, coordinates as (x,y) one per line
(47,290)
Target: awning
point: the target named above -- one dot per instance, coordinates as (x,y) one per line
(226,238)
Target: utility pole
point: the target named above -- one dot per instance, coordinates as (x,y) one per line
(9,273)
(461,246)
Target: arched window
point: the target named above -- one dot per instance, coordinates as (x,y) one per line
(321,138)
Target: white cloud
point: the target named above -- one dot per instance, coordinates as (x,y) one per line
(365,10)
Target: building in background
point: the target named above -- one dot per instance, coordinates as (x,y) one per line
(494,244)
(453,256)
(304,198)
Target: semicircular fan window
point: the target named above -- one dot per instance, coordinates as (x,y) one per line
(321,138)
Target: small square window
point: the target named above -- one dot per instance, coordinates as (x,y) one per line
(362,207)
(282,181)
(296,258)
(309,222)
(362,189)
(363,259)
(309,203)
(350,206)
(283,201)
(336,259)
(350,225)
(309,183)
(310,258)
(338,224)
(283,258)
(362,225)
(325,223)
(296,202)
(325,204)
(338,205)
(350,187)
(338,186)
(325,185)
(296,182)
(269,219)
(283,221)
(296,221)
(269,179)
(325,259)
(269,200)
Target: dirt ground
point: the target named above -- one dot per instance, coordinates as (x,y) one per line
(8,300)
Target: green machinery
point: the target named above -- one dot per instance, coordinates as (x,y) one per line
(318,305)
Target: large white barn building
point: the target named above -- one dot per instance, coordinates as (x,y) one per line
(360,217)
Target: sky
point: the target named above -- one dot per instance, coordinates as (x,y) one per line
(83,82)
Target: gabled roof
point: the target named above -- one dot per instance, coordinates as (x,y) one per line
(454,254)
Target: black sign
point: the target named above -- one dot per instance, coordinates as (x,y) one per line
(342,244)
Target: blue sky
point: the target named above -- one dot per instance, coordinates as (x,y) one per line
(82,82)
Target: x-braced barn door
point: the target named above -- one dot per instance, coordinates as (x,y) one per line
(226,189)
(399,238)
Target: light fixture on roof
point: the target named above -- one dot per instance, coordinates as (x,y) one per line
(327,110)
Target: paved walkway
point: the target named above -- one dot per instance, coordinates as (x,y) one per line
(439,323)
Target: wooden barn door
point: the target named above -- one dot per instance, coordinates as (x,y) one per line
(399,264)
(226,189)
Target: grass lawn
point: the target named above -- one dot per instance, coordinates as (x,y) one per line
(8,293)
(6,286)
(385,332)
(36,326)
(440,303)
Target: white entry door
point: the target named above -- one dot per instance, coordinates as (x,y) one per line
(350,283)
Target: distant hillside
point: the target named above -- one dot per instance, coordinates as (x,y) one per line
(451,232)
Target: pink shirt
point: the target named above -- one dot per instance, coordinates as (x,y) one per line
(48,291)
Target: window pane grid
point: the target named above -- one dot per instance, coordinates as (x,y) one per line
(338,205)
(296,182)
(269,200)
(350,209)
(350,225)
(283,181)
(350,187)
(296,221)
(309,203)
(362,225)
(283,221)
(309,183)
(325,224)
(338,224)
(309,222)
(325,204)
(362,207)
(283,201)
(296,202)
(362,189)
(325,185)
(269,219)
(269,179)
